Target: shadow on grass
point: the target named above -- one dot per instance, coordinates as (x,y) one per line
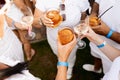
(44,62)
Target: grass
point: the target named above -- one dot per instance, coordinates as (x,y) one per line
(44,62)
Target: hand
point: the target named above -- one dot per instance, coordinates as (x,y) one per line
(102,29)
(92,36)
(64,50)
(21,26)
(46,21)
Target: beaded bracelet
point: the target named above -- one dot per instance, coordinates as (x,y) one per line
(102,45)
(109,33)
(62,64)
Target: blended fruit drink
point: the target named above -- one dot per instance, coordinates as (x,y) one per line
(55,16)
(65,35)
(94,21)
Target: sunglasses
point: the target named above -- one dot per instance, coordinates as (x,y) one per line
(62,11)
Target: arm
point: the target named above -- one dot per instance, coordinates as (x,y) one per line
(16,24)
(95,9)
(63,54)
(34,2)
(3,66)
(103,29)
(108,50)
(61,73)
(83,15)
(37,16)
(29,4)
(116,37)
(40,19)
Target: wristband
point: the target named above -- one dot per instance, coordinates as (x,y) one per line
(102,45)
(109,33)
(62,64)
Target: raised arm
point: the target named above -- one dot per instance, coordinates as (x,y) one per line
(95,9)
(107,49)
(104,30)
(37,15)
(63,54)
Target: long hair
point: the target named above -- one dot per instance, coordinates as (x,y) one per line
(18,68)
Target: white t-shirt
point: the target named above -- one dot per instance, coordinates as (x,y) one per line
(113,21)
(11,53)
(10,48)
(73,9)
(15,14)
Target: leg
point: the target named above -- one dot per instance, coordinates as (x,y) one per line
(71,61)
(3,66)
(97,67)
(97,64)
(27,46)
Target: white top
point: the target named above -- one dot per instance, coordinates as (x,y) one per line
(73,9)
(15,14)
(11,53)
(113,21)
(10,48)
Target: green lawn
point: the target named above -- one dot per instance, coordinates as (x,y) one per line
(44,62)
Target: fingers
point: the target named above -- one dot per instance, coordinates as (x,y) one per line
(46,21)
(72,43)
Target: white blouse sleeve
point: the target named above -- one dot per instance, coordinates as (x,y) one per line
(114,71)
(40,4)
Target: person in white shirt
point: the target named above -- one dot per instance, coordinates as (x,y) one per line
(73,10)
(110,30)
(14,15)
(11,52)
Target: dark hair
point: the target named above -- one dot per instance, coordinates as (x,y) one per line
(2,1)
(18,68)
